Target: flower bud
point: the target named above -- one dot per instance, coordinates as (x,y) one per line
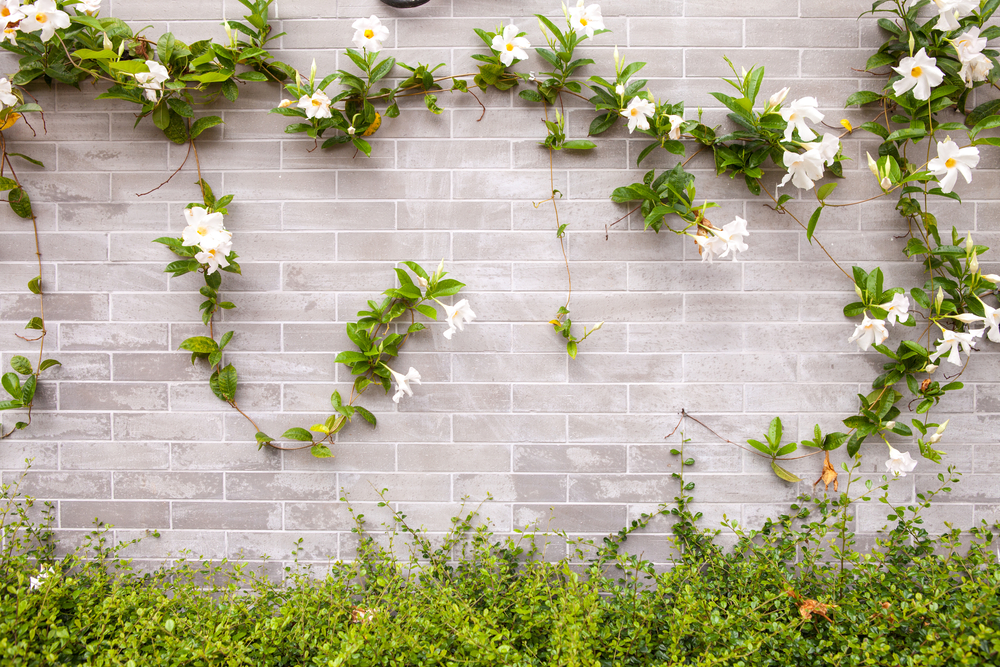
(872,165)
(618,58)
(934,439)
(285,104)
(312,72)
(422,281)
(778,97)
(229,31)
(938,299)
(931,368)
(974,263)
(351,130)
(991,277)
(107,42)
(967,318)
(620,90)
(596,327)
(885,183)
(890,425)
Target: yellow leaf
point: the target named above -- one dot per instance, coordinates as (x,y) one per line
(11,119)
(847,124)
(829,474)
(319,428)
(374,126)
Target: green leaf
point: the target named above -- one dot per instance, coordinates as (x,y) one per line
(28,390)
(348,357)
(12,384)
(161,115)
(862,97)
(368,416)
(783,474)
(20,203)
(35,323)
(579,144)
(824,191)
(813,221)
(760,446)
(7,183)
(34,285)
(203,124)
(320,451)
(982,112)
(571,349)
(47,364)
(199,344)
(297,433)
(427,311)
(774,431)
(227,382)
(21,365)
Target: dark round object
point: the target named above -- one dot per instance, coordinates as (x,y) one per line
(405,4)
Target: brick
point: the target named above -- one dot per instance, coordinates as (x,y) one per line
(230,515)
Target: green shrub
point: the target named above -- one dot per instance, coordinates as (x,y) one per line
(795,593)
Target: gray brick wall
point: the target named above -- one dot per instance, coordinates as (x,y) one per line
(129,432)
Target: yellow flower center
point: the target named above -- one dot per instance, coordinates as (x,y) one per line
(635,112)
(510,47)
(369,33)
(915,72)
(317,103)
(41,17)
(4,12)
(202,231)
(583,21)
(950,163)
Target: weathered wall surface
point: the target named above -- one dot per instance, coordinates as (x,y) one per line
(130,433)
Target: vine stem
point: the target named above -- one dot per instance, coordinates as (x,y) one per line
(555,207)
(782,209)
(6,164)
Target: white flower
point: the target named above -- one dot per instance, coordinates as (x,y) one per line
(919,73)
(153,80)
(200,225)
(949,11)
(896,309)
(803,169)
(778,97)
(88,7)
(710,246)
(675,126)
(586,19)
(797,113)
(44,16)
(9,35)
(950,343)
(828,148)
(952,161)
(403,382)
(7,96)
(637,112)
(510,46)
(969,44)
(215,258)
(731,235)
(869,332)
(10,12)
(369,33)
(993,323)
(316,106)
(458,315)
(899,463)
(975,69)
(34,583)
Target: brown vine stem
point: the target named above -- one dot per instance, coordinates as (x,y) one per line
(685,413)
(785,211)
(6,164)
(555,207)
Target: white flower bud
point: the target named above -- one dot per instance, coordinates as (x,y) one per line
(778,97)
(885,183)
(285,104)
(617,57)
(967,318)
(939,299)
(890,425)
(620,90)
(107,42)
(872,165)
(351,130)
(991,277)
(931,368)
(974,263)
(596,327)
(934,439)
(312,72)
(422,281)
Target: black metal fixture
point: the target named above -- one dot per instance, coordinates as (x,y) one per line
(405,4)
